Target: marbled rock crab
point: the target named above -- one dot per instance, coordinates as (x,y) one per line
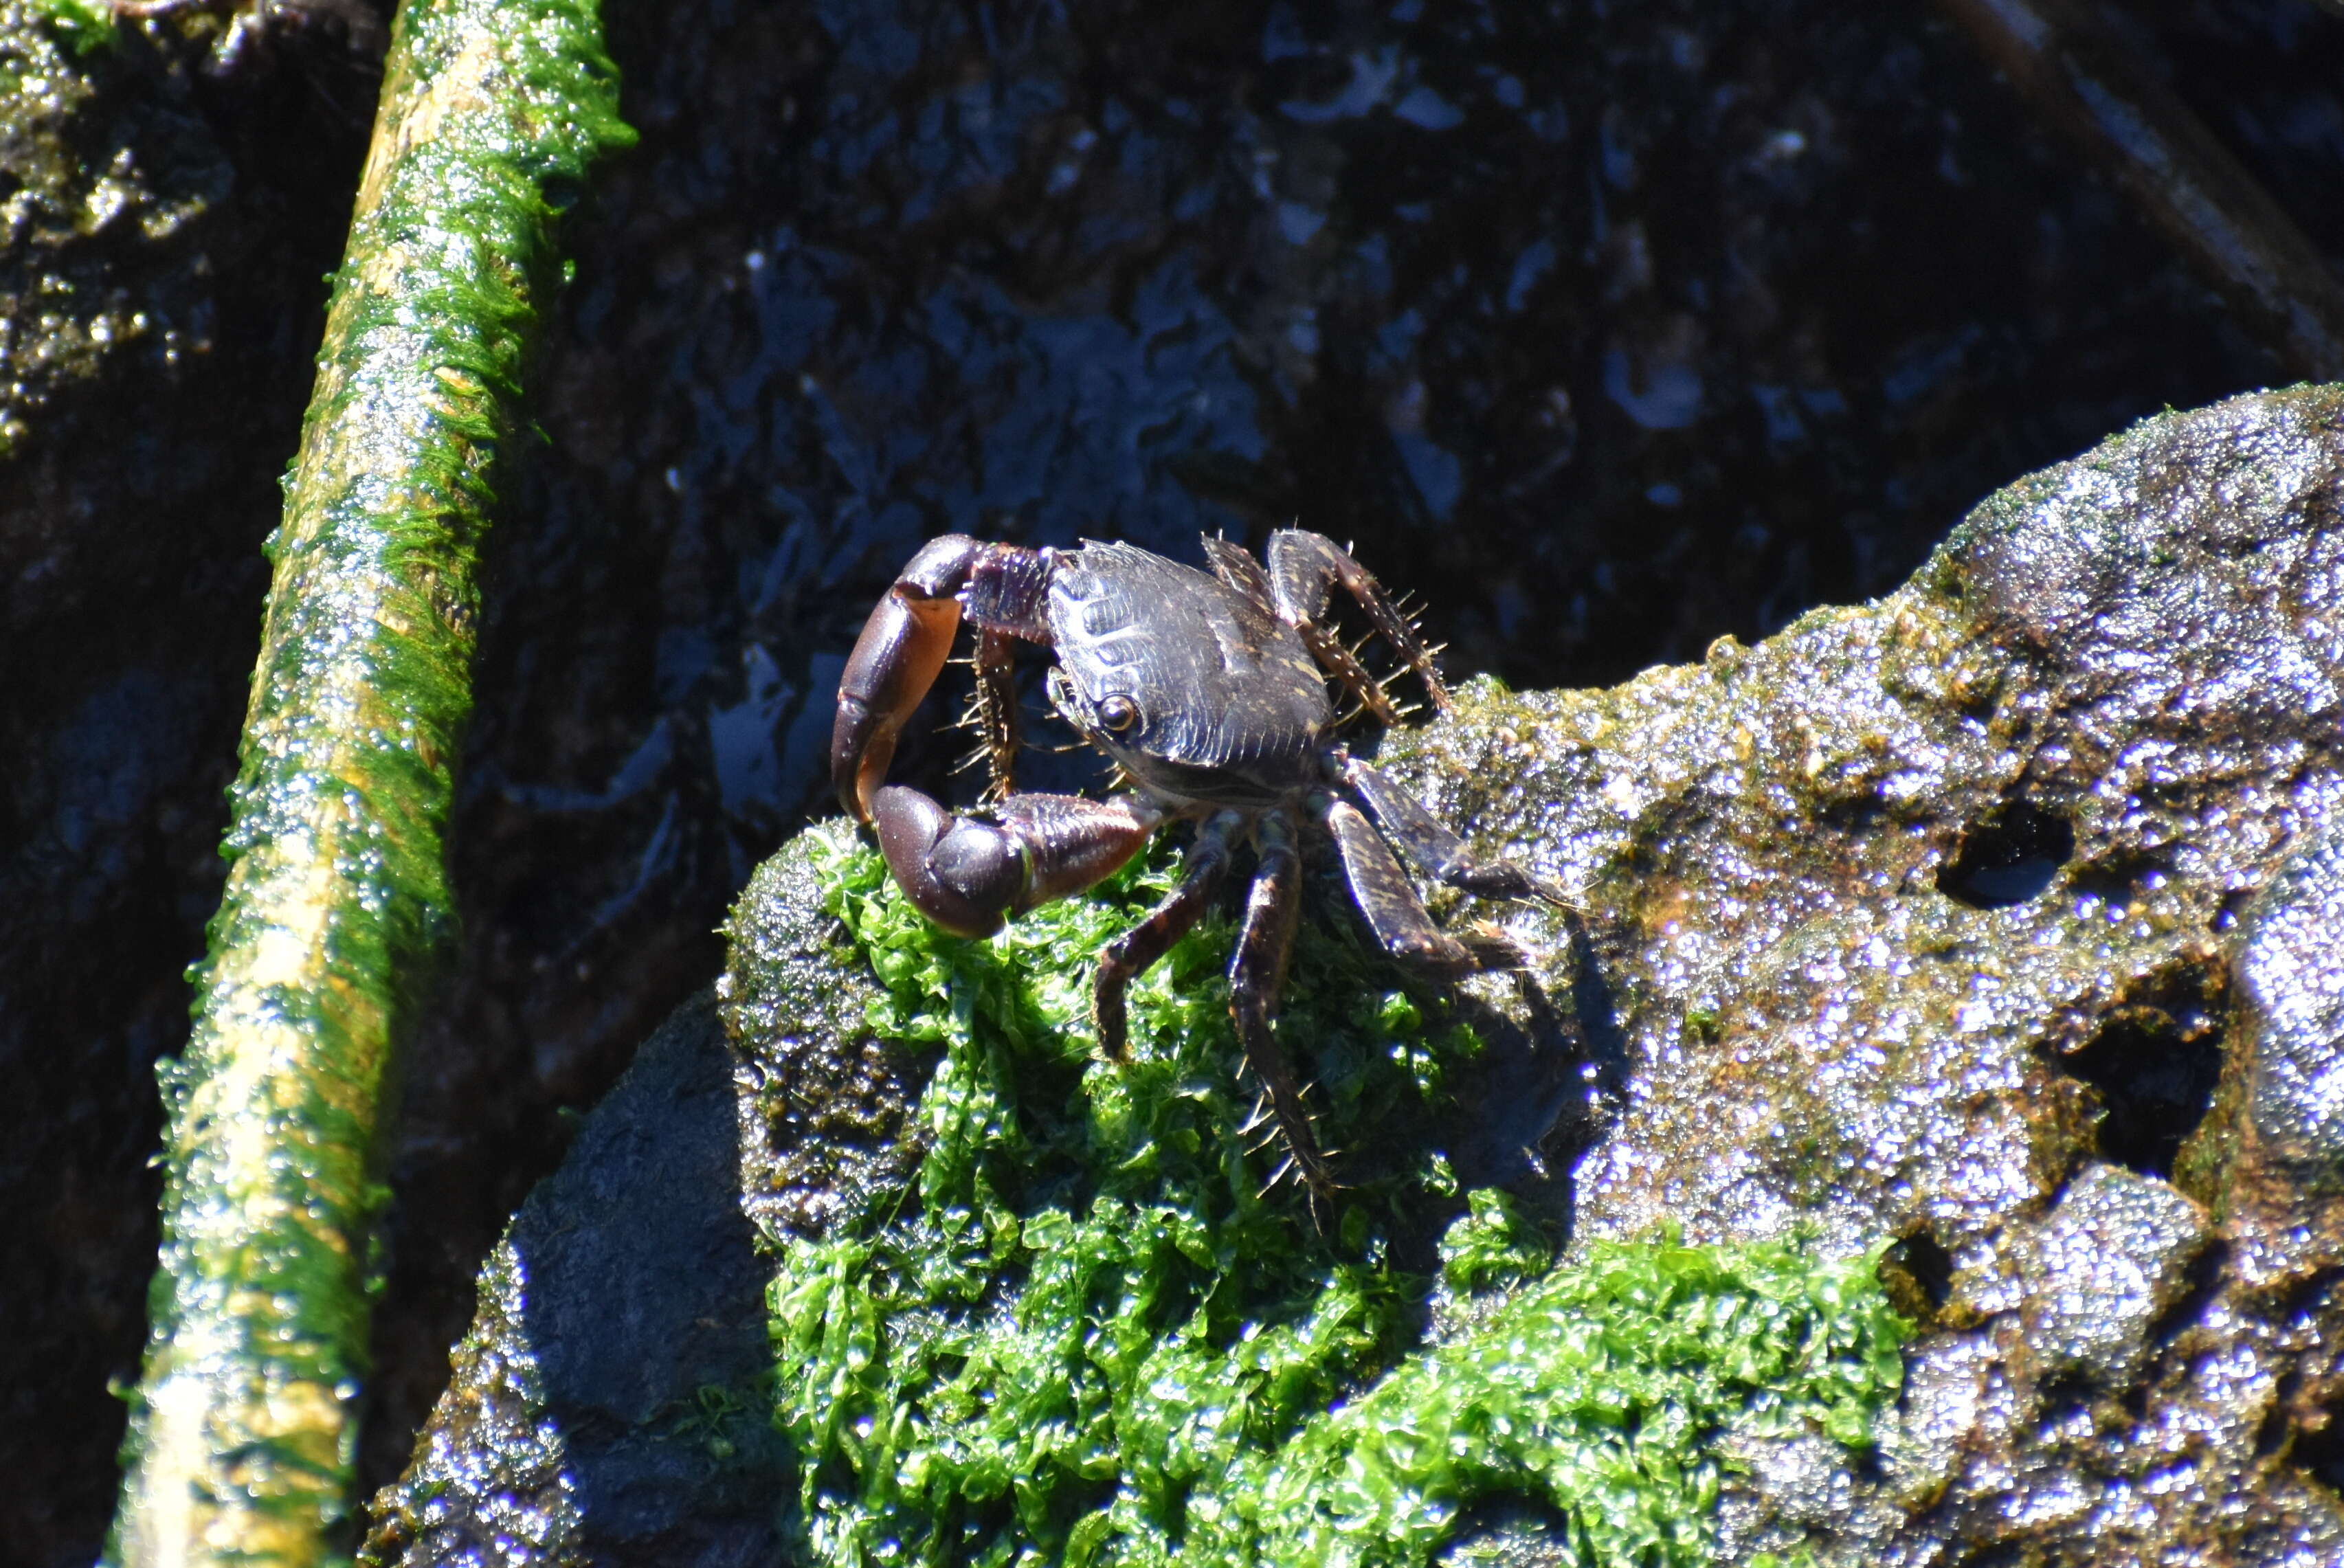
(1211,695)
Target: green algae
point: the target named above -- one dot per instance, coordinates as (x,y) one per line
(1087,1336)
(87,25)
(243,1436)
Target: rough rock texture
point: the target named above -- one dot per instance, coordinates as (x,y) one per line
(604,1408)
(1918,920)
(588,1418)
(2294,1002)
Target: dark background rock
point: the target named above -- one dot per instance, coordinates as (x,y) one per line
(1610,331)
(164,238)
(627,1284)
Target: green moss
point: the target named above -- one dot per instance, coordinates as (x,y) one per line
(87,26)
(1088,1338)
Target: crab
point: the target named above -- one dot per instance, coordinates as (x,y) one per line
(1211,695)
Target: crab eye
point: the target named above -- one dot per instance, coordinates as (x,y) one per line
(1118,713)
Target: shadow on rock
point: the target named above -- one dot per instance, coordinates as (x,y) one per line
(603,1405)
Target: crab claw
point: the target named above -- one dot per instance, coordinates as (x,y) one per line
(964,875)
(894,663)
(969,873)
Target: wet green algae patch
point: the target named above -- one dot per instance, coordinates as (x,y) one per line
(1083,1333)
(243,1431)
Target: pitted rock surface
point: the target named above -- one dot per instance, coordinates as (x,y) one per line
(1918,921)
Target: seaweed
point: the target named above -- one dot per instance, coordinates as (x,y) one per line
(1085,1334)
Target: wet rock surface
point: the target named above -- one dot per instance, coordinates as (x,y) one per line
(605,1407)
(2294,1000)
(1850,982)
(2111,1259)
(1920,918)
(587,1417)
(1610,329)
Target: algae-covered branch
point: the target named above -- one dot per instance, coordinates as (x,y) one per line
(243,1428)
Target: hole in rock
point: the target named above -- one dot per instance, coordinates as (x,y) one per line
(2155,1064)
(2322,1452)
(2121,879)
(2204,1276)
(2008,858)
(1917,1272)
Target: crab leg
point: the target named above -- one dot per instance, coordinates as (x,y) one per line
(1304,568)
(996,711)
(1438,852)
(904,645)
(896,659)
(970,874)
(1128,956)
(1257,975)
(1381,890)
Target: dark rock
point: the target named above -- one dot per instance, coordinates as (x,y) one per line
(604,1408)
(163,246)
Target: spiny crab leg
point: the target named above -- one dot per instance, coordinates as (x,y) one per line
(1379,890)
(1436,852)
(1304,569)
(1257,975)
(995,711)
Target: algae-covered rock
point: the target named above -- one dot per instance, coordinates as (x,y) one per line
(1913,927)
(163,243)
(1918,922)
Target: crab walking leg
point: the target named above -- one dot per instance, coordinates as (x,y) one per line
(1381,890)
(1128,956)
(1304,568)
(970,874)
(1438,852)
(1257,975)
(995,710)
